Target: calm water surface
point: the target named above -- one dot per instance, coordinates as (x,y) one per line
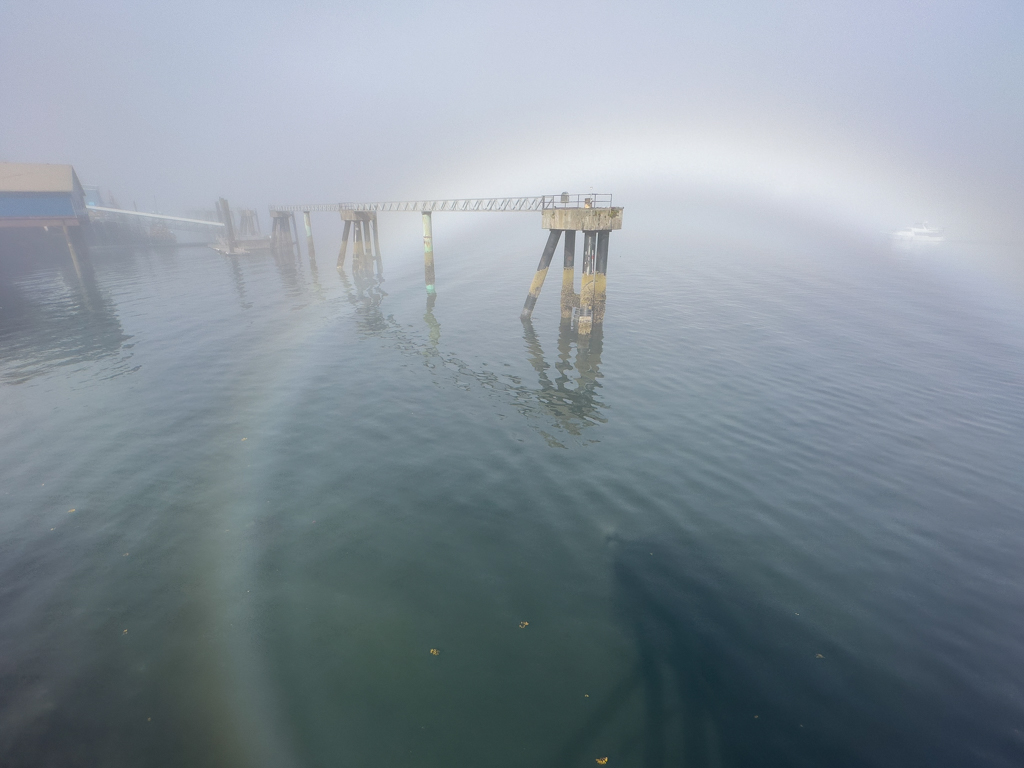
(772,516)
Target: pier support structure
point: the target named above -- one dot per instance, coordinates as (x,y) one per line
(428,252)
(281,237)
(569,298)
(362,227)
(309,235)
(596,225)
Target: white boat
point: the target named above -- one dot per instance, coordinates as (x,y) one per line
(919,233)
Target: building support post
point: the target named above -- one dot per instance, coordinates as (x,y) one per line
(73,252)
(542,272)
(376,245)
(569,297)
(586,320)
(600,276)
(309,235)
(358,256)
(344,244)
(428,253)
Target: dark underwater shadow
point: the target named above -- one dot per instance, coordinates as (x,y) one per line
(727,677)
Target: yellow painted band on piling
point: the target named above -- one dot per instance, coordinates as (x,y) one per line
(587,290)
(569,297)
(600,287)
(538,282)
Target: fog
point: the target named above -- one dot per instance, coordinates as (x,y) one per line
(870,115)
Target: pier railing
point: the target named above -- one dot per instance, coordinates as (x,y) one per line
(482,204)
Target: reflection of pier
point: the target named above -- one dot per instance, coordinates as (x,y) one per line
(567,392)
(591,214)
(571,402)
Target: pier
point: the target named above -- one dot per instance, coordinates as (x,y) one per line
(592,214)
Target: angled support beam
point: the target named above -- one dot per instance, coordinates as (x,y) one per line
(542,272)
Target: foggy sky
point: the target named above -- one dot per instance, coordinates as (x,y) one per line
(874,114)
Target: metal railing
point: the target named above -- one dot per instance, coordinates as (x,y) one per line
(483,204)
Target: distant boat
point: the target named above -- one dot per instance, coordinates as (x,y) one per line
(919,233)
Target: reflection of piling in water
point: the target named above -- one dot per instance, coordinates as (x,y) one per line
(572,403)
(433,326)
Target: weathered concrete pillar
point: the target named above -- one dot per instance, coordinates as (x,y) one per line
(368,248)
(309,235)
(344,244)
(229,224)
(586,319)
(600,276)
(357,248)
(569,297)
(542,272)
(376,237)
(376,247)
(428,253)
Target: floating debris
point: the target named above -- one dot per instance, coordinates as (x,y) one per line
(602,760)
(524,624)
(70,511)
(125,632)
(818,656)
(434,652)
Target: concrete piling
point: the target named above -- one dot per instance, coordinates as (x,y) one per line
(542,272)
(600,276)
(229,224)
(569,297)
(357,246)
(428,253)
(309,235)
(586,319)
(376,246)
(344,244)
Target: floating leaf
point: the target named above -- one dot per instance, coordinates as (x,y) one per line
(434,652)
(524,624)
